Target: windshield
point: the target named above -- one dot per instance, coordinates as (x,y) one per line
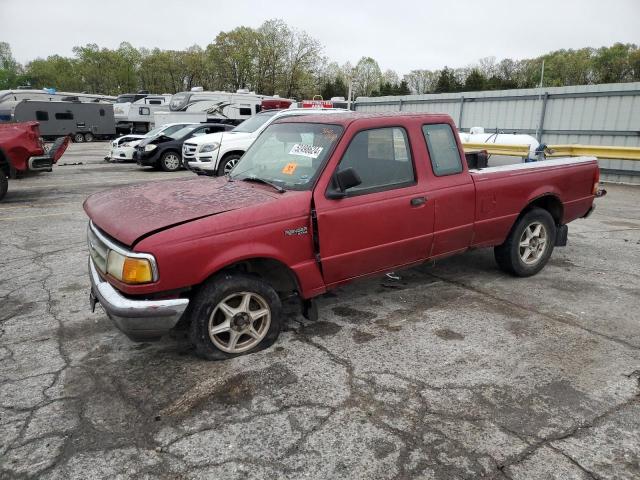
(288,154)
(182,132)
(154,132)
(252,124)
(125,98)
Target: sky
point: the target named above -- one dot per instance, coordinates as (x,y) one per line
(400,35)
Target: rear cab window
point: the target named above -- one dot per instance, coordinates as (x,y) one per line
(443,149)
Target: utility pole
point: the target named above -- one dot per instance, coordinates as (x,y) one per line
(542,105)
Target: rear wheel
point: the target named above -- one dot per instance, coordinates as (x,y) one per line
(234,314)
(227,163)
(529,245)
(4,184)
(88,137)
(170,161)
(78,138)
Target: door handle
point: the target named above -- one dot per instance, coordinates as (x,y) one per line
(416,202)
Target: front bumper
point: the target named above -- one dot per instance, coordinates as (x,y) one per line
(146,159)
(122,154)
(140,320)
(202,168)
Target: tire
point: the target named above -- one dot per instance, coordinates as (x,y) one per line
(78,138)
(88,137)
(221,302)
(529,244)
(227,163)
(170,162)
(4,184)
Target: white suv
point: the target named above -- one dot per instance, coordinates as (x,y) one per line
(218,153)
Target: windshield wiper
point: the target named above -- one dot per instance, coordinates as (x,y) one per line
(278,188)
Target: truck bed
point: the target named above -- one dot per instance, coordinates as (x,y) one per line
(503,191)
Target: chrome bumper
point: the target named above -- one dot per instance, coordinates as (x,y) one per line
(140,320)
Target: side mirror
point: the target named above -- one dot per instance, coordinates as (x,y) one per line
(343,180)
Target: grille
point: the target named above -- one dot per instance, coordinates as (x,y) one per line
(189,151)
(97,249)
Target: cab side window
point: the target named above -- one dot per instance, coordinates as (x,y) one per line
(443,150)
(382,159)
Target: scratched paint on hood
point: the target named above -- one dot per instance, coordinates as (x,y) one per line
(131,212)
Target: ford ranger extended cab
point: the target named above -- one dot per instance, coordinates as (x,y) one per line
(317,201)
(22,151)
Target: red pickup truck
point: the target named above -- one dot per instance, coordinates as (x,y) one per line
(316,202)
(22,150)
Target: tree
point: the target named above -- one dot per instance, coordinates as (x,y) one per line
(234,53)
(420,81)
(611,64)
(447,81)
(302,64)
(366,76)
(273,41)
(10,70)
(475,81)
(55,72)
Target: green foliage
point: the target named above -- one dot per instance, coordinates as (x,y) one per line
(447,81)
(278,59)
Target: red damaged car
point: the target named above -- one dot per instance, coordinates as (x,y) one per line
(22,150)
(316,202)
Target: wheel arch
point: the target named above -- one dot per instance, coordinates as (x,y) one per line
(227,154)
(549,202)
(275,272)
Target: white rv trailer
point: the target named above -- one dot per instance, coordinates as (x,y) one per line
(136,115)
(10,98)
(199,105)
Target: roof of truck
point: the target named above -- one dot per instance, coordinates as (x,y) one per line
(346,119)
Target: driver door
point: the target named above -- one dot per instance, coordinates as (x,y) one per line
(383,223)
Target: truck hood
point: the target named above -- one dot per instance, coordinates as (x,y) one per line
(135,211)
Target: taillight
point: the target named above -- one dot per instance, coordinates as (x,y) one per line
(596,181)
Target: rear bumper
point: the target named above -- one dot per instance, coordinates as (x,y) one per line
(40,164)
(140,320)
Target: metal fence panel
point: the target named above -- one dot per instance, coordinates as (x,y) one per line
(586,114)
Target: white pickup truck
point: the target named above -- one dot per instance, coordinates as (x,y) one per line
(218,153)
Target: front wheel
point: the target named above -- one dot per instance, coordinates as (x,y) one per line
(78,138)
(227,164)
(88,137)
(234,314)
(529,245)
(170,162)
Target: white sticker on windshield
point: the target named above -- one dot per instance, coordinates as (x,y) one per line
(305,150)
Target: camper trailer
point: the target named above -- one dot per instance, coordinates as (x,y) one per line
(200,106)
(84,122)
(10,98)
(134,113)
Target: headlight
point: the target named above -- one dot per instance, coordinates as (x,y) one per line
(128,269)
(209,147)
(150,148)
